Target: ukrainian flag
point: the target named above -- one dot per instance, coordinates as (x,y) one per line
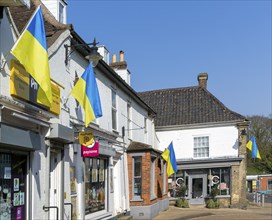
(86,93)
(252,145)
(169,156)
(31,50)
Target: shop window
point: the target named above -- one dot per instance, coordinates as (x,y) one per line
(95,184)
(220,181)
(137,177)
(13,169)
(201,147)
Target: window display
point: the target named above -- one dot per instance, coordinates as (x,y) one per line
(220,180)
(12,186)
(95,169)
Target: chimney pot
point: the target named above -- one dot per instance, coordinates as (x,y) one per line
(114,58)
(202,80)
(121,56)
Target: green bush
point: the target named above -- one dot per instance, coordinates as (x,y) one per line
(182,203)
(181,191)
(214,192)
(213,204)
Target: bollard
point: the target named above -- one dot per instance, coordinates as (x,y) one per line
(263,199)
(258,199)
(254,197)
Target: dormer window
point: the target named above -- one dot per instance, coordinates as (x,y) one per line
(61,12)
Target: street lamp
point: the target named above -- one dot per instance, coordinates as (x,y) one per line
(93,56)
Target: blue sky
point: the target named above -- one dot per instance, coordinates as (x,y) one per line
(168,43)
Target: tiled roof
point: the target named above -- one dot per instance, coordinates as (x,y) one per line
(135,146)
(138,146)
(184,106)
(21,15)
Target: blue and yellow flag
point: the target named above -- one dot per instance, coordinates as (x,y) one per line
(169,156)
(31,50)
(86,93)
(252,145)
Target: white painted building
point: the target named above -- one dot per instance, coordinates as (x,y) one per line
(209,142)
(55,181)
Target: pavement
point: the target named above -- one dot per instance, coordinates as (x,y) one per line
(202,213)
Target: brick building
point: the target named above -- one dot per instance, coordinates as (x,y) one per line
(147,181)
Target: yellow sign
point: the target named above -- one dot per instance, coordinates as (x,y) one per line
(24,87)
(55,107)
(86,138)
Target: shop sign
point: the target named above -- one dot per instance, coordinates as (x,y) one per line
(86,138)
(24,87)
(90,150)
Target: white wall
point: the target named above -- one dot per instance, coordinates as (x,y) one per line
(223,141)
(53,7)
(105,86)
(7,39)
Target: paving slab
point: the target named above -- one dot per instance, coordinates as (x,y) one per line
(201,213)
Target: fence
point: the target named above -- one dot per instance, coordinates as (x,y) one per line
(258,198)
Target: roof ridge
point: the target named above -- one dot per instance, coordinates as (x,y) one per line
(170,89)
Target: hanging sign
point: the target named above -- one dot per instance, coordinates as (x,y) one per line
(24,87)
(90,150)
(86,138)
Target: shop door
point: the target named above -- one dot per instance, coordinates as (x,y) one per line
(197,188)
(56,185)
(13,171)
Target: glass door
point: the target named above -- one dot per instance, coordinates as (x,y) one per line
(197,188)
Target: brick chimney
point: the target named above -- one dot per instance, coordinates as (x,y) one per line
(202,80)
(114,58)
(121,67)
(122,56)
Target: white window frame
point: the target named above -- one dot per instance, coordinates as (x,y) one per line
(114,109)
(152,178)
(201,146)
(61,16)
(145,130)
(129,120)
(136,197)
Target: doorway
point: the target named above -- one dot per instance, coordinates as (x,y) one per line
(56,181)
(197,188)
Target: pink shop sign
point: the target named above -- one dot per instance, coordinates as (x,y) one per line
(91,150)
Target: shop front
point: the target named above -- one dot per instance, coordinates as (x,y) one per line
(204,180)
(16,147)
(96,193)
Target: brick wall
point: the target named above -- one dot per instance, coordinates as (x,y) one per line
(146,180)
